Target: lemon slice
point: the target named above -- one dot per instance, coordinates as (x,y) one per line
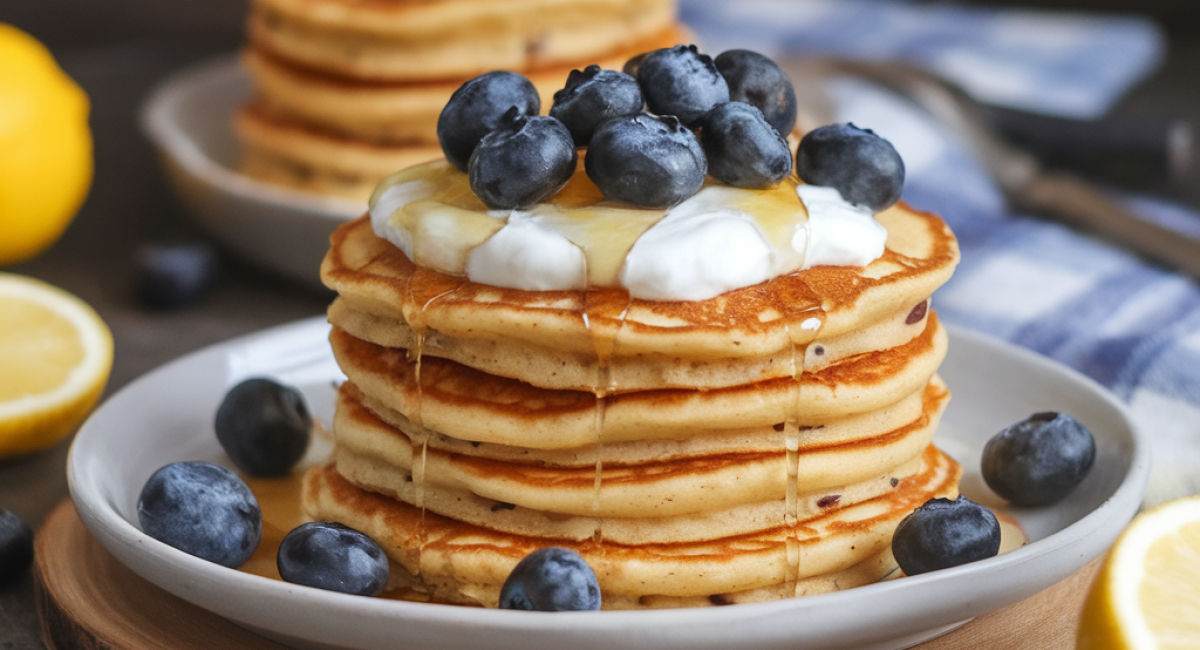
(1147,594)
(55,357)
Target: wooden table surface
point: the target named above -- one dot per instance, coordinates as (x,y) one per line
(88,599)
(130,203)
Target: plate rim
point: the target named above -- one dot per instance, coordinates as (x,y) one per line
(125,540)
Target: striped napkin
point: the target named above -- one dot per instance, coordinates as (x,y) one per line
(1132,326)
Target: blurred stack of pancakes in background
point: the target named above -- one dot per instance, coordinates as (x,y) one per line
(349,91)
(757,445)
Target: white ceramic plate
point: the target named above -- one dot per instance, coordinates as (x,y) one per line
(189,118)
(166,416)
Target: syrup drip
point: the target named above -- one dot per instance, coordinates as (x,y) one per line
(598,533)
(280,502)
(603,316)
(282,510)
(791,450)
(415,308)
(792,431)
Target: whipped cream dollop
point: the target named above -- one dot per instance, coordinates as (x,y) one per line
(700,249)
(524,254)
(839,233)
(720,239)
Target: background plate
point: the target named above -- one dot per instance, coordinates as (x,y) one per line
(167,415)
(189,117)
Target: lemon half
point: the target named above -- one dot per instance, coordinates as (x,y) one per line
(55,357)
(1147,595)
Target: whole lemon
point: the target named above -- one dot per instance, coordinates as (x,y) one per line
(45,147)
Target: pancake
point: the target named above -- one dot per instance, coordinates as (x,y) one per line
(332,135)
(471,405)
(463,505)
(283,151)
(628,487)
(396,113)
(347,91)
(842,432)
(528,361)
(626,497)
(416,40)
(373,276)
(457,561)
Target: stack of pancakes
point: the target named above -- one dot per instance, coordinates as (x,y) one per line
(757,445)
(350,91)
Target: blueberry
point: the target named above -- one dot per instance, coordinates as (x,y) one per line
(476,108)
(592,96)
(263,426)
(645,160)
(523,160)
(1038,460)
(681,81)
(329,555)
(551,580)
(201,509)
(944,533)
(175,275)
(864,167)
(16,547)
(743,150)
(758,81)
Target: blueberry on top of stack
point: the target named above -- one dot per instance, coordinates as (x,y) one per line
(654,131)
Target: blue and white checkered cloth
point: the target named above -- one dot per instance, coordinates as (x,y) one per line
(1132,326)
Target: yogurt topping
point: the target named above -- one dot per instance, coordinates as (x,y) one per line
(720,239)
(839,233)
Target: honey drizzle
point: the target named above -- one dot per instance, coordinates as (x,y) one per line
(792,429)
(601,308)
(415,311)
(451,218)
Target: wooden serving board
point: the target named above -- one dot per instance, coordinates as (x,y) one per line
(87,599)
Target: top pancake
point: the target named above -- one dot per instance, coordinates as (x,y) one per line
(374,277)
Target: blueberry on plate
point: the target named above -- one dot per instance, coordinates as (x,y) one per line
(551,579)
(201,509)
(476,108)
(645,160)
(592,96)
(743,150)
(942,533)
(758,81)
(175,275)
(329,555)
(264,426)
(525,159)
(1038,460)
(681,81)
(864,167)
(16,547)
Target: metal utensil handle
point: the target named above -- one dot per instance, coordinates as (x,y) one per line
(1076,202)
